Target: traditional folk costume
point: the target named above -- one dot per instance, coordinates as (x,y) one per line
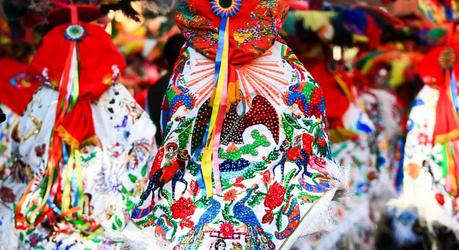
(246,162)
(18,82)
(85,141)
(431,179)
(352,135)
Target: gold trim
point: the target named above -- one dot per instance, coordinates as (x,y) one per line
(72,142)
(36,122)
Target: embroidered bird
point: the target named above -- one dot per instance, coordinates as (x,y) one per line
(246,215)
(207,217)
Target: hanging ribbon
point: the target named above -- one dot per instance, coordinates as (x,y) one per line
(446,130)
(210,159)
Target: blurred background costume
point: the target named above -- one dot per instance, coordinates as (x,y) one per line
(18,82)
(245,161)
(431,177)
(82,146)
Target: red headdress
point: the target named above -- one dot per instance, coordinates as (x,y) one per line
(251,31)
(18,82)
(438,70)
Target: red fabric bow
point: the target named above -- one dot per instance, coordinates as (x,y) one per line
(99,65)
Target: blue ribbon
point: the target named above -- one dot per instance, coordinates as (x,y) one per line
(454,90)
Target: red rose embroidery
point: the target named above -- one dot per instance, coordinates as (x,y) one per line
(275,196)
(293,154)
(182,208)
(226,229)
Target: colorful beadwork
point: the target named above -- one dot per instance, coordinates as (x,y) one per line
(225,8)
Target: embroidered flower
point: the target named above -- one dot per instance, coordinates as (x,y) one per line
(266,177)
(231,195)
(293,154)
(182,208)
(423,139)
(226,229)
(275,196)
(194,188)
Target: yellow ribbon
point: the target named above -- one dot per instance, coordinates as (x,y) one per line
(221,84)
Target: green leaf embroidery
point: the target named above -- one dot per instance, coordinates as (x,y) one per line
(143,172)
(289,176)
(132,178)
(292,121)
(130,205)
(119,222)
(168,196)
(225,212)
(97,240)
(124,190)
(192,167)
(256,199)
(288,129)
(201,203)
(279,219)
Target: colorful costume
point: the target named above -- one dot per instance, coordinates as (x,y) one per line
(246,160)
(431,177)
(85,142)
(17,85)
(352,134)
